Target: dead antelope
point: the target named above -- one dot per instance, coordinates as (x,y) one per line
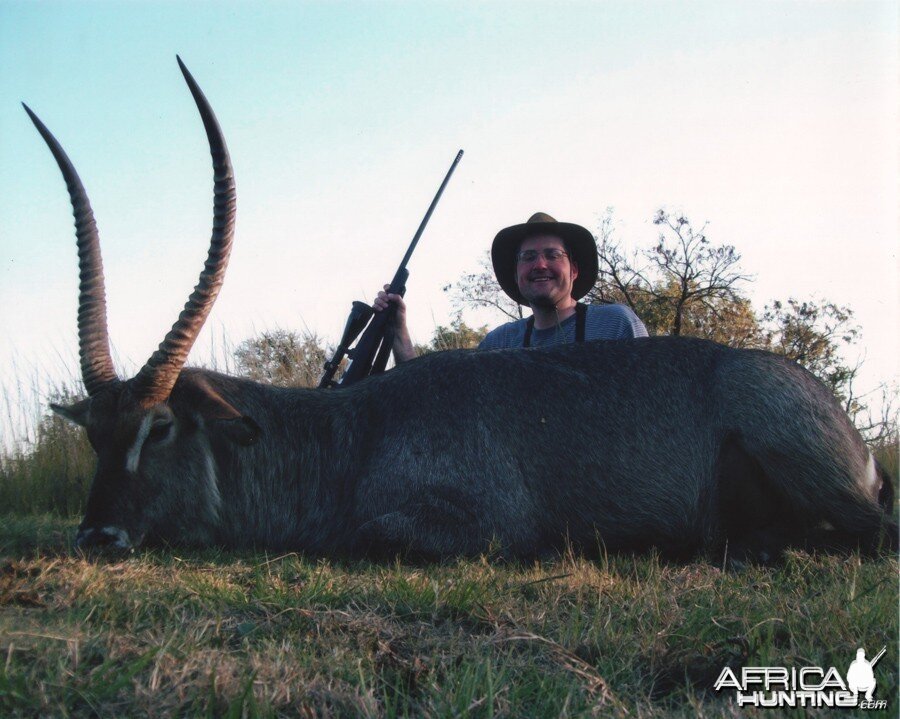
(676,443)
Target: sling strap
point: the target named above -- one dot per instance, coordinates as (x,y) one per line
(580,317)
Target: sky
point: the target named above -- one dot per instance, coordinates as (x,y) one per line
(773,122)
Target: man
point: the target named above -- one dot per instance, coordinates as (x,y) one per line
(860,677)
(549,266)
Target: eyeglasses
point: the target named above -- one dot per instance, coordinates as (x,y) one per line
(551,254)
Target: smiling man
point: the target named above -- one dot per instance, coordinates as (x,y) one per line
(548,266)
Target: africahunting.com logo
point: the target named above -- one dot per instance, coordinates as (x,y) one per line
(806,686)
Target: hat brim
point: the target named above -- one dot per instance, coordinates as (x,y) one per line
(582,249)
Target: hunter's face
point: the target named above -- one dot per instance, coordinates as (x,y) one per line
(544,282)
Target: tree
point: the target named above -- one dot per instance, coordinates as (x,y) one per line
(818,335)
(457,336)
(480,289)
(683,285)
(878,421)
(282,358)
(814,333)
(729,320)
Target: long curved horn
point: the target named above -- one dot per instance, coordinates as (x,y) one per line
(155,380)
(93,338)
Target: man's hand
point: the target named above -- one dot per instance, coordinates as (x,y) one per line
(403,349)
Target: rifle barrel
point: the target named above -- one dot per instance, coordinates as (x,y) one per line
(370,354)
(415,239)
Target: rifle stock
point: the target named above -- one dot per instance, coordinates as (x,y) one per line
(370,355)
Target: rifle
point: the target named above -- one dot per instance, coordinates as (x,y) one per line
(877,656)
(370,355)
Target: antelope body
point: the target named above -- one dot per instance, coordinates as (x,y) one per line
(676,443)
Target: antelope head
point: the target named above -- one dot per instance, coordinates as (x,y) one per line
(148,434)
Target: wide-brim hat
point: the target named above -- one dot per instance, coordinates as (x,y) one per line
(579,241)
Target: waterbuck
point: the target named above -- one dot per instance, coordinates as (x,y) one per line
(676,443)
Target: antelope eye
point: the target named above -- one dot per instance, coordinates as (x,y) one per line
(159,430)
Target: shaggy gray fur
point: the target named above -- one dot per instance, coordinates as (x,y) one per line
(676,443)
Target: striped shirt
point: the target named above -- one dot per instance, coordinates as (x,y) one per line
(603,322)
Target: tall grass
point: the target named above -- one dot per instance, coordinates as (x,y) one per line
(46,462)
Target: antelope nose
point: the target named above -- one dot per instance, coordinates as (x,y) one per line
(103,539)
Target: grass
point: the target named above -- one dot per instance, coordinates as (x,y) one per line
(50,473)
(246,635)
(46,463)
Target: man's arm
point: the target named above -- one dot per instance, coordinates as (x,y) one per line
(403,349)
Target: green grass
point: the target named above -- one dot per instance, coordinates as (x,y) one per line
(52,473)
(46,463)
(246,635)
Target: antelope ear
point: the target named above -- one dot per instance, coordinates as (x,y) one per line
(220,413)
(77,413)
(243,430)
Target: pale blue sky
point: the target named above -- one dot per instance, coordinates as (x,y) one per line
(773,121)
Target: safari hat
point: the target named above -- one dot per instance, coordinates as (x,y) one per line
(579,241)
